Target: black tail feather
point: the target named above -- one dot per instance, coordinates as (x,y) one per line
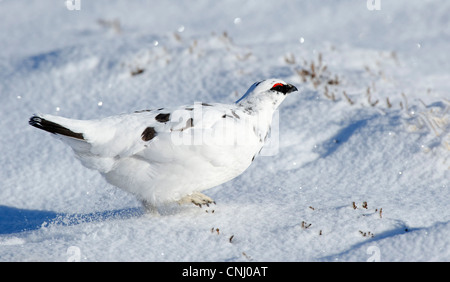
(54,128)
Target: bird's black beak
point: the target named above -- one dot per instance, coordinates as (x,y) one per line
(290,88)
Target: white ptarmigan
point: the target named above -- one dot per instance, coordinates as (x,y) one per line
(171,155)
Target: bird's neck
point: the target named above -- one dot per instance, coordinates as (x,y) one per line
(261,106)
(262,112)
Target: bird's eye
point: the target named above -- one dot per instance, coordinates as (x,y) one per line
(277,86)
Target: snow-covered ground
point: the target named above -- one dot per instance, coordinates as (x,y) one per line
(361,171)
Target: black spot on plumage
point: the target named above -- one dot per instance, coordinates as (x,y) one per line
(163,117)
(235,115)
(249,110)
(142,111)
(189,123)
(206,105)
(148,134)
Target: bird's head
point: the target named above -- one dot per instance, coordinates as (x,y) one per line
(266,95)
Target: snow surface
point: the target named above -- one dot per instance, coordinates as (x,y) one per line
(389,159)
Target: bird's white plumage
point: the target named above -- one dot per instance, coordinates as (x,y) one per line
(166,155)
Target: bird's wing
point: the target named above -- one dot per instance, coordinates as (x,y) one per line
(207,132)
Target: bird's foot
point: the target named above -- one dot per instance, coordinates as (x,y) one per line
(197,199)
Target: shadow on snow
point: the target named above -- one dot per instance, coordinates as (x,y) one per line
(14,220)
